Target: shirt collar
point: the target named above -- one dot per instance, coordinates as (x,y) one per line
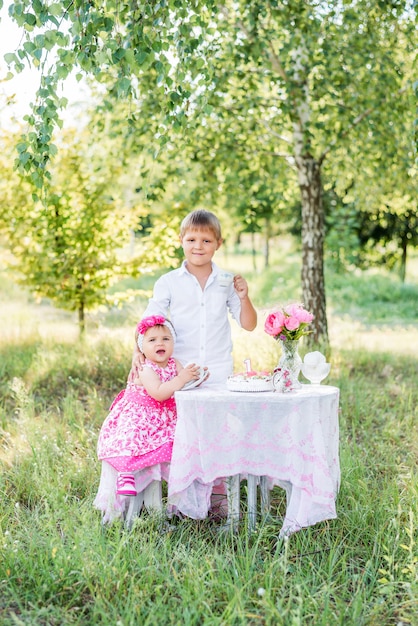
(184,270)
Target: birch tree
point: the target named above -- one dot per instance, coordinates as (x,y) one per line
(311,80)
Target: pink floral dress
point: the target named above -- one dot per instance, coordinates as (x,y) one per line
(139,431)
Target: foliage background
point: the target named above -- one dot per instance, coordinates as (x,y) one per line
(299,112)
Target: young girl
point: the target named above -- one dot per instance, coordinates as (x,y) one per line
(136,440)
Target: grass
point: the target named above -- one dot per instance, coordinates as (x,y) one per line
(59,566)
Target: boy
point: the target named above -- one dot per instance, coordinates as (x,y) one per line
(197,300)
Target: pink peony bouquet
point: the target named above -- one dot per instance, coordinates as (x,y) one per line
(289,322)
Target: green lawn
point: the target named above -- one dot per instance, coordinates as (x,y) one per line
(59,566)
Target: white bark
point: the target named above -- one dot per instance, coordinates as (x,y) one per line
(313,223)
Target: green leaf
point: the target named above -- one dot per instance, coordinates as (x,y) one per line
(62,72)
(174,97)
(30,19)
(55,9)
(123,86)
(130,56)
(159,67)
(10,58)
(24,157)
(39,41)
(22,146)
(29,46)
(118,54)
(142,57)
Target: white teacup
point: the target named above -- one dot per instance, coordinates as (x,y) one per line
(225,279)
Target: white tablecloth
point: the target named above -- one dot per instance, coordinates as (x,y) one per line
(290,438)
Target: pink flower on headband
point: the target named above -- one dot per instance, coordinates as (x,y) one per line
(149,322)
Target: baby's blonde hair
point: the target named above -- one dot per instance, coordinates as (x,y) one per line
(201,219)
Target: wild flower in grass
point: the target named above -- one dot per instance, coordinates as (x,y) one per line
(261,592)
(19,389)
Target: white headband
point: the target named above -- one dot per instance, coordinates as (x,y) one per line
(150,322)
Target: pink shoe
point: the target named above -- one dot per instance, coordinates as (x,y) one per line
(126,485)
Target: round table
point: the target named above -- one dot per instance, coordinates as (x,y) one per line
(269,438)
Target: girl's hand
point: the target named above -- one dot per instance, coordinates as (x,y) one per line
(207,374)
(241,286)
(190,372)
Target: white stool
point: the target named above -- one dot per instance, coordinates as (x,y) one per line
(233,494)
(150,498)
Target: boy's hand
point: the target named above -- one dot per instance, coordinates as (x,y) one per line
(138,360)
(241,286)
(248,315)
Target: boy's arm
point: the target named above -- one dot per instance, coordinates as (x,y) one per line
(159,304)
(138,360)
(248,315)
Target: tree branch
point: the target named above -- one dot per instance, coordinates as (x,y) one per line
(357,120)
(274,134)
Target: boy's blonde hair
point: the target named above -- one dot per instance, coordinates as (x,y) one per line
(201,219)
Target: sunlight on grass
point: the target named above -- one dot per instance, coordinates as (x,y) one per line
(58,565)
(345,333)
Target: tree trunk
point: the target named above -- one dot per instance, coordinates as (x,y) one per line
(402,272)
(313,232)
(267,236)
(81,320)
(253,251)
(310,185)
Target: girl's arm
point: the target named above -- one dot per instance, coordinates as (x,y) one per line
(162,391)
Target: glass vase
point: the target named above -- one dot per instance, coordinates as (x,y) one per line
(290,364)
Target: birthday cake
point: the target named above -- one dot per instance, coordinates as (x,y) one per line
(250,380)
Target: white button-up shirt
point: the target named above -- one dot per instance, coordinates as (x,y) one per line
(200,319)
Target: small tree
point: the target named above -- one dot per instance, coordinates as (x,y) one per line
(67,246)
